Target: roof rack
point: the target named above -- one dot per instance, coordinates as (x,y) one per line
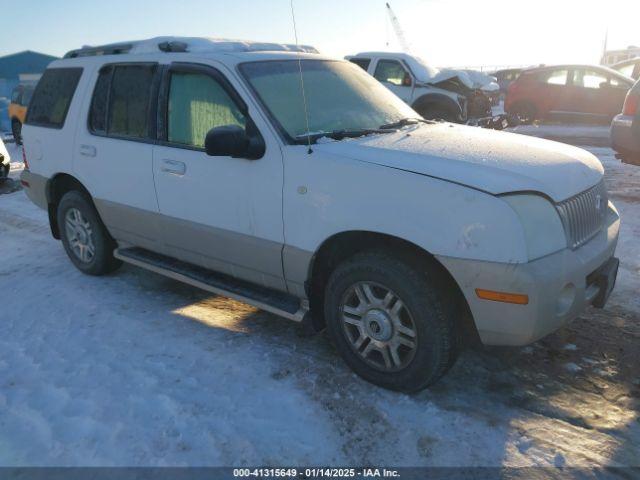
(185,45)
(111,49)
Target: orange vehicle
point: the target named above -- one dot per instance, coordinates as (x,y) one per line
(20,98)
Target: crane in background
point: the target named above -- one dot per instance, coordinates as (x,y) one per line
(395,23)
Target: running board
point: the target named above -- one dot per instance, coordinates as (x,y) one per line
(263,298)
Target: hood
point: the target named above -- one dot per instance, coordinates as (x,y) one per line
(425,73)
(482,81)
(445,74)
(487,160)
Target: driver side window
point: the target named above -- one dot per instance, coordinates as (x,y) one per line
(198,103)
(390,71)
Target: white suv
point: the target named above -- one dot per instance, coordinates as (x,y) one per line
(201,160)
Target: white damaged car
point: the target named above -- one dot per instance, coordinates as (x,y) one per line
(204,161)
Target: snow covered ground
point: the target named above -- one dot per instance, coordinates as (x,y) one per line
(135,369)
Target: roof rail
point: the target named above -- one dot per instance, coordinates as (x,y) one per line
(111,49)
(183,45)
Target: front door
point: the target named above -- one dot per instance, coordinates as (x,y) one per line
(223,213)
(395,77)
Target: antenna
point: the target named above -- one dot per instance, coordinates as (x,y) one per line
(304,97)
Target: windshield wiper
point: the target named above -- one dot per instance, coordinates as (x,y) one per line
(404,122)
(339,134)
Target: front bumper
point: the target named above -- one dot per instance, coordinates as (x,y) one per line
(560,286)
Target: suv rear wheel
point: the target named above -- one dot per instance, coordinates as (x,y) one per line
(390,322)
(85,238)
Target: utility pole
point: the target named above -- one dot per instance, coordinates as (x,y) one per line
(604,49)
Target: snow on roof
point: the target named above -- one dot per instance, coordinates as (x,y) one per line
(188,44)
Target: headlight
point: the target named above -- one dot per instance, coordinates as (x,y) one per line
(541,223)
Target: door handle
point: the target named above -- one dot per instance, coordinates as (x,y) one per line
(88,150)
(174,167)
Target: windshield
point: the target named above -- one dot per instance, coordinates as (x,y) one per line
(340,96)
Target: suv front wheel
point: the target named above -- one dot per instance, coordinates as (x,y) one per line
(390,321)
(84,236)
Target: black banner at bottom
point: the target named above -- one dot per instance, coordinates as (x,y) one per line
(405,473)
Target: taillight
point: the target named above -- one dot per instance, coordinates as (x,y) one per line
(631,104)
(24,158)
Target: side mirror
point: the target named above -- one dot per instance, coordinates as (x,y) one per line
(406,80)
(233,141)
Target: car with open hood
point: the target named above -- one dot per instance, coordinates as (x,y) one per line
(299,184)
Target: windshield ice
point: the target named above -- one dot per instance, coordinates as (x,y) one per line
(340,96)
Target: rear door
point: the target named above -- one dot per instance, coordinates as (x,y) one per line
(220,212)
(113,150)
(396,77)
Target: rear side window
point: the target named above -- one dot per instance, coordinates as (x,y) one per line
(98,114)
(627,69)
(121,101)
(52,97)
(361,62)
(129,102)
(555,77)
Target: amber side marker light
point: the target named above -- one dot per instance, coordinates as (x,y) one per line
(504,297)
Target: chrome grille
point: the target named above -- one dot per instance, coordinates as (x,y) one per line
(583,215)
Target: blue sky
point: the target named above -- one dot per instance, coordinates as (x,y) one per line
(445,32)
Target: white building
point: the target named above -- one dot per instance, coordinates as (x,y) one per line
(612,57)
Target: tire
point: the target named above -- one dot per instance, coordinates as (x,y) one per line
(525,112)
(425,309)
(16,130)
(84,236)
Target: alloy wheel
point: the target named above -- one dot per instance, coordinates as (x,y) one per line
(378,326)
(79,235)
